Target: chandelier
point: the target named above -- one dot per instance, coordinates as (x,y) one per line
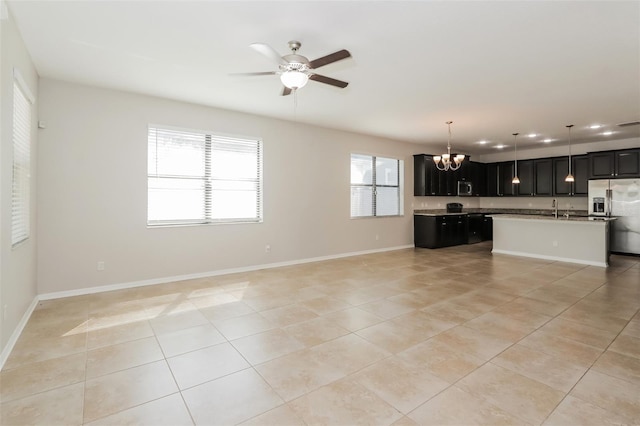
(444,161)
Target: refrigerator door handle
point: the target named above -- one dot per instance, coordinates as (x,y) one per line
(609,195)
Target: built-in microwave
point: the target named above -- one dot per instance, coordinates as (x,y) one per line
(465,189)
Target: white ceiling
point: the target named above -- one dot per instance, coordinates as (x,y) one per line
(492,67)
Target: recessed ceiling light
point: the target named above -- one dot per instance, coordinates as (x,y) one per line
(607,133)
(546,140)
(499,146)
(595,126)
(532,135)
(483,142)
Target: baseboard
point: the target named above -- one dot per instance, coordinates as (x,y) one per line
(544,257)
(17,332)
(164,280)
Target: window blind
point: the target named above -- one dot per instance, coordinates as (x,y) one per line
(197,178)
(20,186)
(375,186)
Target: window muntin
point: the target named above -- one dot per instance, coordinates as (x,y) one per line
(200,178)
(376,188)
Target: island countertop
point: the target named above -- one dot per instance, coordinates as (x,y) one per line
(581,219)
(500,211)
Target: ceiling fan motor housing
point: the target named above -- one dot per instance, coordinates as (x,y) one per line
(295,61)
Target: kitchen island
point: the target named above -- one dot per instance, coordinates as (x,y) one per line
(583,240)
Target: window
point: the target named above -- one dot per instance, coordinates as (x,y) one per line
(200,178)
(376,186)
(21,174)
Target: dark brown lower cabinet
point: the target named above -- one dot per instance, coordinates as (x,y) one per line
(440,231)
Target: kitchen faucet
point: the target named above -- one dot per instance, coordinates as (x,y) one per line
(554,205)
(566,215)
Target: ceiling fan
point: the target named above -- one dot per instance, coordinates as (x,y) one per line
(295,70)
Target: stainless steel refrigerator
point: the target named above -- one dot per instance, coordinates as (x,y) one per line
(619,198)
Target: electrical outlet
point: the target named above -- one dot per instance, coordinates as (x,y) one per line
(555,244)
(377,237)
(101,265)
(267,248)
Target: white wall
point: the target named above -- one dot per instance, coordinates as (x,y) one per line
(18,264)
(92,189)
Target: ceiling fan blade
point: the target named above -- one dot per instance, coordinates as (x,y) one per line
(253,73)
(269,52)
(326,60)
(286,91)
(328,80)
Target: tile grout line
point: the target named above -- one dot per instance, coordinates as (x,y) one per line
(591,366)
(507,348)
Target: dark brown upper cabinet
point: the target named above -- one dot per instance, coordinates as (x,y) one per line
(615,164)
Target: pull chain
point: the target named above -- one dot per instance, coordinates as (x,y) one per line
(295,105)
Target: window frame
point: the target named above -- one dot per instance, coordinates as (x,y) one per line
(21,164)
(374,186)
(208,180)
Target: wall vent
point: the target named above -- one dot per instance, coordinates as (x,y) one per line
(628,123)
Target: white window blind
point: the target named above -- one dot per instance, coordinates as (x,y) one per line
(199,178)
(376,186)
(20,187)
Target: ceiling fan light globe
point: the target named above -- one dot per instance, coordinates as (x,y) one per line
(436,158)
(294,79)
(459,158)
(569,178)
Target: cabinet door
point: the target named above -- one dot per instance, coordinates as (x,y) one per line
(448,183)
(479,179)
(433,177)
(525,173)
(487,229)
(461,230)
(505,186)
(601,164)
(444,230)
(627,163)
(581,173)
(543,172)
(419,175)
(425,232)
(475,225)
(492,180)
(560,172)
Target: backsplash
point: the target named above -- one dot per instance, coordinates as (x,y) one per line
(434,203)
(535,203)
(564,203)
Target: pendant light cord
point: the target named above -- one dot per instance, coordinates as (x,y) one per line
(570,126)
(449,140)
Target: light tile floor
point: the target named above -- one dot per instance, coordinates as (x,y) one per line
(449,336)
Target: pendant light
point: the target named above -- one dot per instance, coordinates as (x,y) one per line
(446,163)
(569,177)
(515,179)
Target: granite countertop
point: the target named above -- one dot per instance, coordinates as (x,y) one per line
(531,212)
(560,218)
